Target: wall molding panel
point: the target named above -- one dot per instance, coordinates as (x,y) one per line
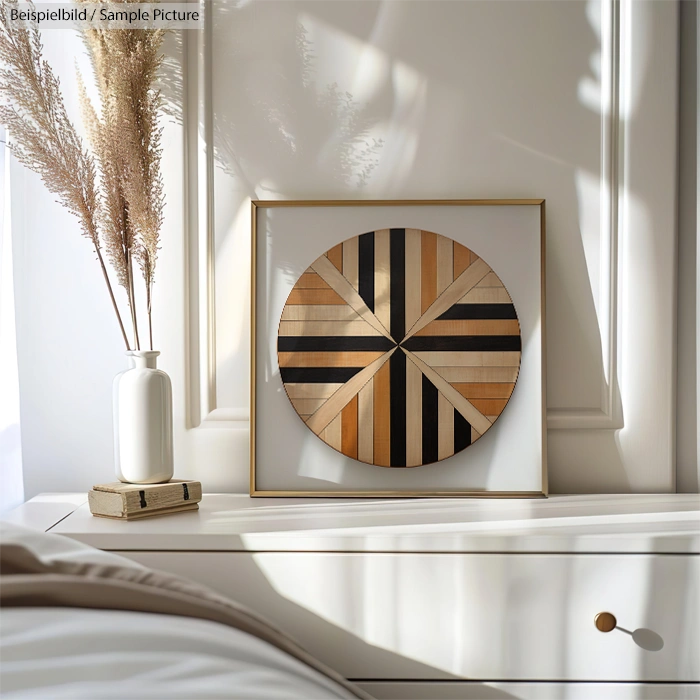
(623,443)
(607,415)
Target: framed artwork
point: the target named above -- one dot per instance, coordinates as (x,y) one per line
(398,348)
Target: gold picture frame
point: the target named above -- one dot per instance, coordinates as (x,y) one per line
(255,490)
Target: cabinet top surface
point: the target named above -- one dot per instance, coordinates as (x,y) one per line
(651,523)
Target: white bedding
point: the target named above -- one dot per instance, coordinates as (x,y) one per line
(54,653)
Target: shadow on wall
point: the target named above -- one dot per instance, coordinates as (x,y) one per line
(428,100)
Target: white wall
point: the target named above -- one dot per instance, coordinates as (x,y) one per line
(377,100)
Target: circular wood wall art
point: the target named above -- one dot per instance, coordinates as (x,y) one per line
(399,347)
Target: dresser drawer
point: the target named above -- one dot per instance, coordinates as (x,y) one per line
(474,616)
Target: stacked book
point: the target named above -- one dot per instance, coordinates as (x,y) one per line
(133,501)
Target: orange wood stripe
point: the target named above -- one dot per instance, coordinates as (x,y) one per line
(462,259)
(311,280)
(335,255)
(328,359)
(314,296)
(382,425)
(349,429)
(472,327)
(489,390)
(489,406)
(428,282)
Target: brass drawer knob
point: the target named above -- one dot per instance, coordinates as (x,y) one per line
(605,622)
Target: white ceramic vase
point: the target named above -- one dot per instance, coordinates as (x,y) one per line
(143,421)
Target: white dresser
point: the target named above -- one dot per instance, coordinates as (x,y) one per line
(446,598)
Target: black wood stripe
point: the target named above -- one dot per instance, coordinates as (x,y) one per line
(330,343)
(464,343)
(397,406)
(463,432)
(397,290)
(318,375)
(430,422)
(460,312)
(365,254)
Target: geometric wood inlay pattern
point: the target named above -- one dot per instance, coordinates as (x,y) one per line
(399,347)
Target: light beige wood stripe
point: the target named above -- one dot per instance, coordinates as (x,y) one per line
(464,406)
(413,276)
(491,280)
(445,264)
(437,358)
(486,295)
(307,406)
(414,419)
(475,434)
(470,277)
(345,290)
(446,427)
(478,374)
(382,277)
(337,402)
(333,328)
(311,390)
(320,312)
(365,423)
(351,262)
(350,358)
(334,433)
(472,327)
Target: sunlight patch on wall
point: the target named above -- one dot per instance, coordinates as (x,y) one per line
(590,87)
(10,436)
(233,255)
(370,73)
